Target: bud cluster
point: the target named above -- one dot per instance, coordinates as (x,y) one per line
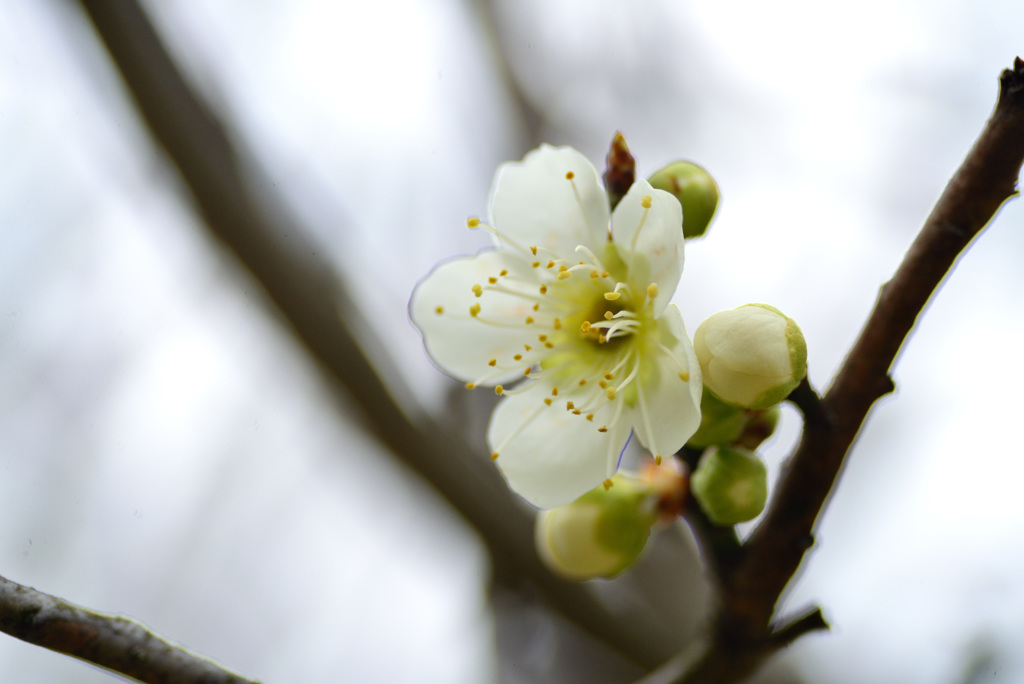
(751,358)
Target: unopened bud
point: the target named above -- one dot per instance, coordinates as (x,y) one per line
(752,356)
(600,534)
(695,189)
(730,484)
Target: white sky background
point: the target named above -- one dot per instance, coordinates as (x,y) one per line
(163,454)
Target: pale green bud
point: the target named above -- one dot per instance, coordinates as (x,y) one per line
(695,189)
(600,534)
(720,423)
(752,356)
(730,484)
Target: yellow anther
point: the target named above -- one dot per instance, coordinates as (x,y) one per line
(576,412)
(474,310)
(564,274)
(612,296)
(526,371)
(492,280)
(542,338)
(563,268)
(657,460)
(549,345)
(536,307)
(608,484)
(536,264)
(494,455)
(569,175)
(527,347)
(585,327)
(652,290)
(608,375)
(498,389)
(470,385)
(439,310)
(529,320)
(601,339)
(518,357)
(547,400)
(557,324)
(590,417)
(554,391)
(602,384)
(580,262)
(608,315)
(492,362)
(473,223)
(610,392)
(543,289)
(604,274)
(595,273)
(550,264)
(569,406)
(645,201)
(533,250)
(684,376)
(478,290)
(603,428)
(503,272)
(583,381)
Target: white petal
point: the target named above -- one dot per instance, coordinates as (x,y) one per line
(550,456)
(533,204)
(650,240)
(667,411)
(462,345)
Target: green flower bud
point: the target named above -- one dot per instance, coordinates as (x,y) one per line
(695,189)
(600,534)
(752,356)
(720,423)
(730,484)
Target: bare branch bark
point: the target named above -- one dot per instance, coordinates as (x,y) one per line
(110,641)
(310,297)
(752,583)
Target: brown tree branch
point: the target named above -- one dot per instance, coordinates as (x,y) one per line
(773,553)
(310,298)
(113,642)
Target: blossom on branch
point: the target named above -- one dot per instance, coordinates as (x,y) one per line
(568,317)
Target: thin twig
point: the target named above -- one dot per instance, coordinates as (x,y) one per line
(110,641)
(743,637)
(312,301)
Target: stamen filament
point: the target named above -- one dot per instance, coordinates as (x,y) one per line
(477,223)
(593,259)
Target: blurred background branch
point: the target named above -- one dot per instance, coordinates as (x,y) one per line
(312,299)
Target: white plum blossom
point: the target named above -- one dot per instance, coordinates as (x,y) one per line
(571,307)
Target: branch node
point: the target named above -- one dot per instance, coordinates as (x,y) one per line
(1011,81)
(807,400)
(784,634)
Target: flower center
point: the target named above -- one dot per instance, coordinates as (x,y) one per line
(582,325)
(578,322)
